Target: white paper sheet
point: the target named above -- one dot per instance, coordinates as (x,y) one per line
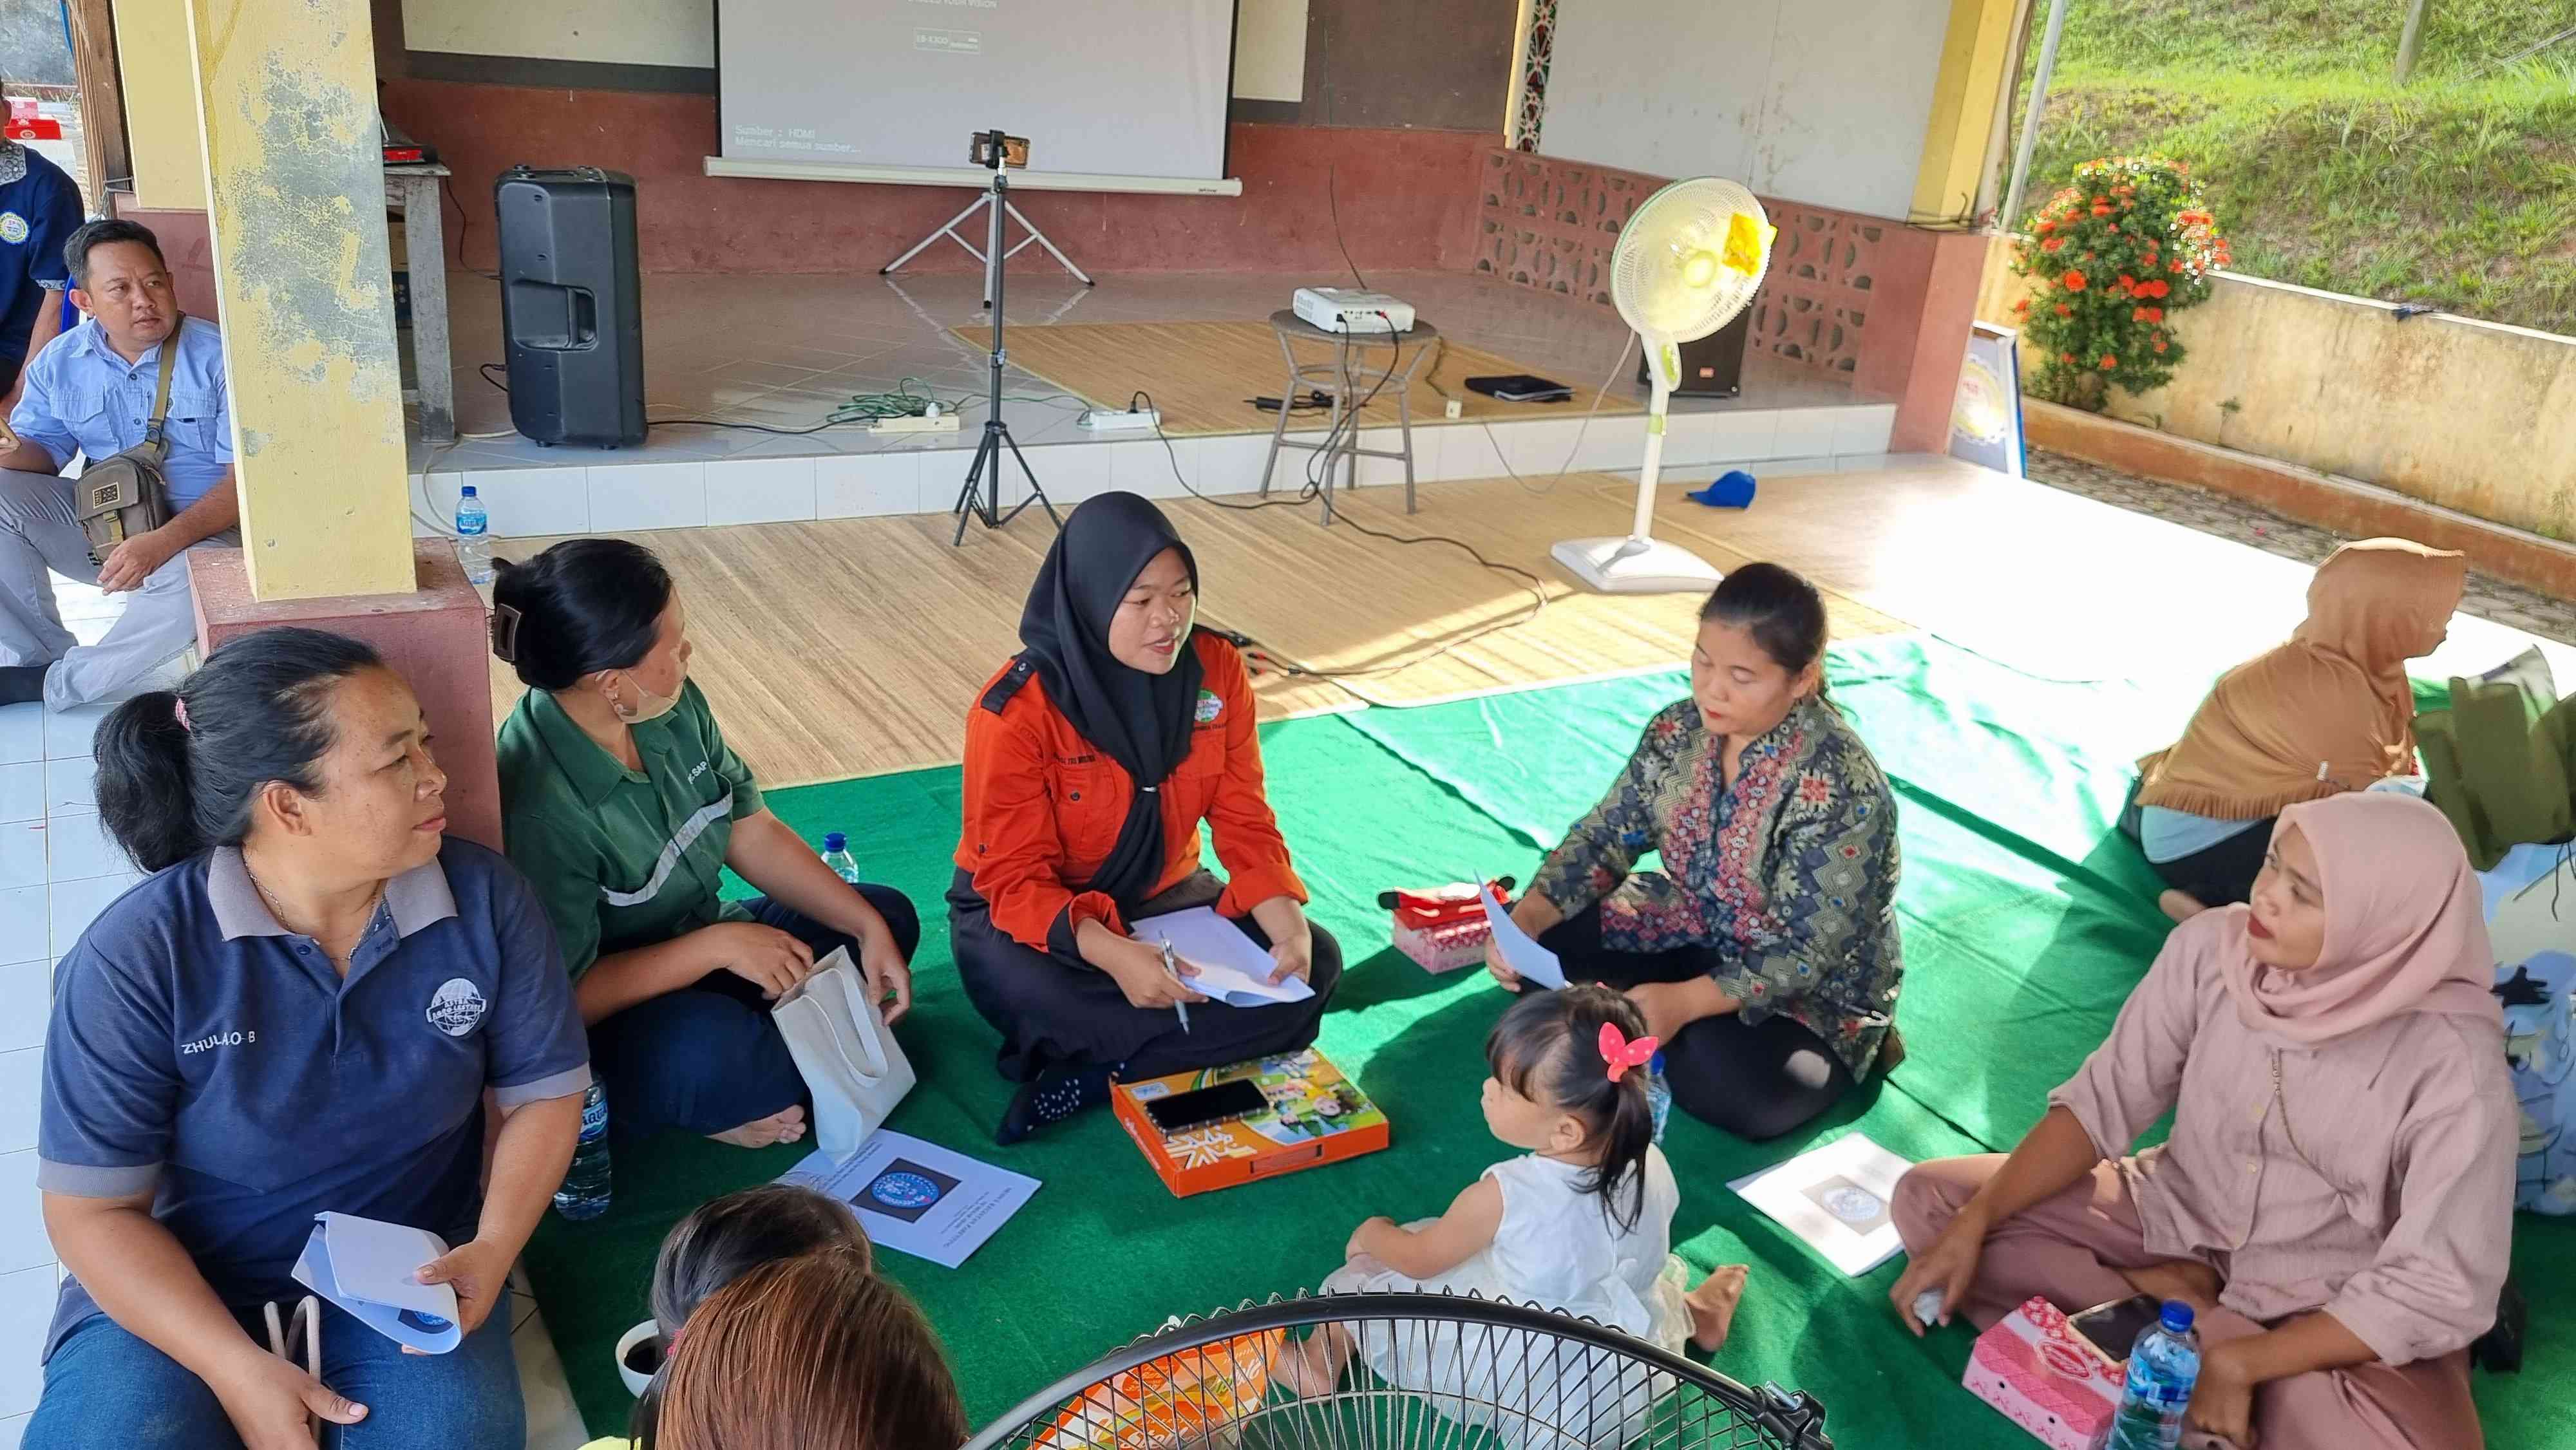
(1838,1198)
(1534,963)
(369,1268)
(916,1197)
(1233,969)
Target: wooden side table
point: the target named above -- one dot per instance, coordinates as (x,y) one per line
(412,189)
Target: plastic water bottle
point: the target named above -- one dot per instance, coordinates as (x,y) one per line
(2163,1366)
(1659,1094)
(585,1186)
(836,854)
(473,537)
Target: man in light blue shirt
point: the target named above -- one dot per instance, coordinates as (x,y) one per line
(90,393)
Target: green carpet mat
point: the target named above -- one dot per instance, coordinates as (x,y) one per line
(2026,922)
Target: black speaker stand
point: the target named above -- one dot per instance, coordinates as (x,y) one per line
(987,509)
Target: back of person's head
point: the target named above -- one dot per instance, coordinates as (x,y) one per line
(1777,606)
(583,606)
(1548,1049)
(2381,602)
(730,1236)
(93,235)
(814,1352)
(724,1239)
(179,771)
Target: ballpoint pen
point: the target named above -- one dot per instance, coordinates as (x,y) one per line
(1172,969)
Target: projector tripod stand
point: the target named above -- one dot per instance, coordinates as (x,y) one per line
(987,509)
(1000,204)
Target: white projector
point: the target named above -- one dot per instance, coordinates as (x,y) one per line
(1347,309)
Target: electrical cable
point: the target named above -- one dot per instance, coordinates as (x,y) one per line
(1574,449)
(1312,490)
(464,224)
(747,427)
(429,461)
(903,402)
(1333,201)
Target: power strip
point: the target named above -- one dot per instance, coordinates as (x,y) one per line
(944,423)
(1137,420)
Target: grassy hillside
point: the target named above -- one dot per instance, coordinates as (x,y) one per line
(2458,190)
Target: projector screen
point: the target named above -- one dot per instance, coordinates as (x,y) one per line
(1111,99)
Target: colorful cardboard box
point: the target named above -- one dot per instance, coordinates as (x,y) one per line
(1316,1116)
(1193,1399)
(2046,1378)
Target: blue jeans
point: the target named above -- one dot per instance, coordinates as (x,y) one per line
(707,1058)
(107,1390)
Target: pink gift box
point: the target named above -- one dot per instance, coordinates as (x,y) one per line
(2046,1378)
(1445,947)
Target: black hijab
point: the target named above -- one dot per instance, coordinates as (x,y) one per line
(1141,721)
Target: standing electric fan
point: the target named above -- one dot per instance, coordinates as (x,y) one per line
(1686,264)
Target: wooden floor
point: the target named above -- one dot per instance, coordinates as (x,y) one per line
(855,647)
(1200,373)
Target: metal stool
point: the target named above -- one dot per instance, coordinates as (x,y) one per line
(1349,381)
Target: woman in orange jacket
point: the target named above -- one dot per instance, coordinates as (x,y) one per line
(1091,759)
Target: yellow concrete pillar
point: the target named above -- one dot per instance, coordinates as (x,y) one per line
(296,202)
(152,54)
(1967,103)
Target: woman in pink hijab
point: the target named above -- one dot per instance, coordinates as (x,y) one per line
(2336,1199)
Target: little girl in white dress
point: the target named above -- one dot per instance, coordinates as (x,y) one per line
(1581,1224)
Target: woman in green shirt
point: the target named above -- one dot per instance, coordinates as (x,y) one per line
(622,804)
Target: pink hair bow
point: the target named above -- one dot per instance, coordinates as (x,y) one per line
(1622,1054)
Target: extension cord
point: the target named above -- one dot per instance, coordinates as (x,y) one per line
(944,423)
(1104,420)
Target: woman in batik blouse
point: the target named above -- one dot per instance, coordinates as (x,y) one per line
(1764,954)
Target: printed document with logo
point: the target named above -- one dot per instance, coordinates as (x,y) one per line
(1836,1198)
(371,1268)
(917,1197)
(1232,968)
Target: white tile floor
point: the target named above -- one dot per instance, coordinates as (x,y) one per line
(57,871)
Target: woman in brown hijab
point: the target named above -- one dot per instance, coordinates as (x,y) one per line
(2329,710)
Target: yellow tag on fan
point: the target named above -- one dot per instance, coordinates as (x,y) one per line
(1747,241)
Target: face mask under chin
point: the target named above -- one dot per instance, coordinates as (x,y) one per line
(654,707)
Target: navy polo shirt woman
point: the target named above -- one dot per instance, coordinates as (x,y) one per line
(303,1010)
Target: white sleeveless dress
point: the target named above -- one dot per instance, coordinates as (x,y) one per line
(1556,1248)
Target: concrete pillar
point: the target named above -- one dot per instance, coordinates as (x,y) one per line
(295,204)
(1967,101)
(153,57)
(433,637)
(286,100)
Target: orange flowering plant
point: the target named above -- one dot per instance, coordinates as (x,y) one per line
(2110,259)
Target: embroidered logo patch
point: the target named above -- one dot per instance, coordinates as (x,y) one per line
(457,1008)
(13,227)
(1209,707)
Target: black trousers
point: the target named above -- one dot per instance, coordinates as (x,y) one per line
(708,1057)
(2220,875)
(1058,1013)
(1756,1080)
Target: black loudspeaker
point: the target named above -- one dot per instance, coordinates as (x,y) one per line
(571,315)
(1712,367)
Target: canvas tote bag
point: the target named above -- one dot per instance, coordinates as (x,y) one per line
(847,1054)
